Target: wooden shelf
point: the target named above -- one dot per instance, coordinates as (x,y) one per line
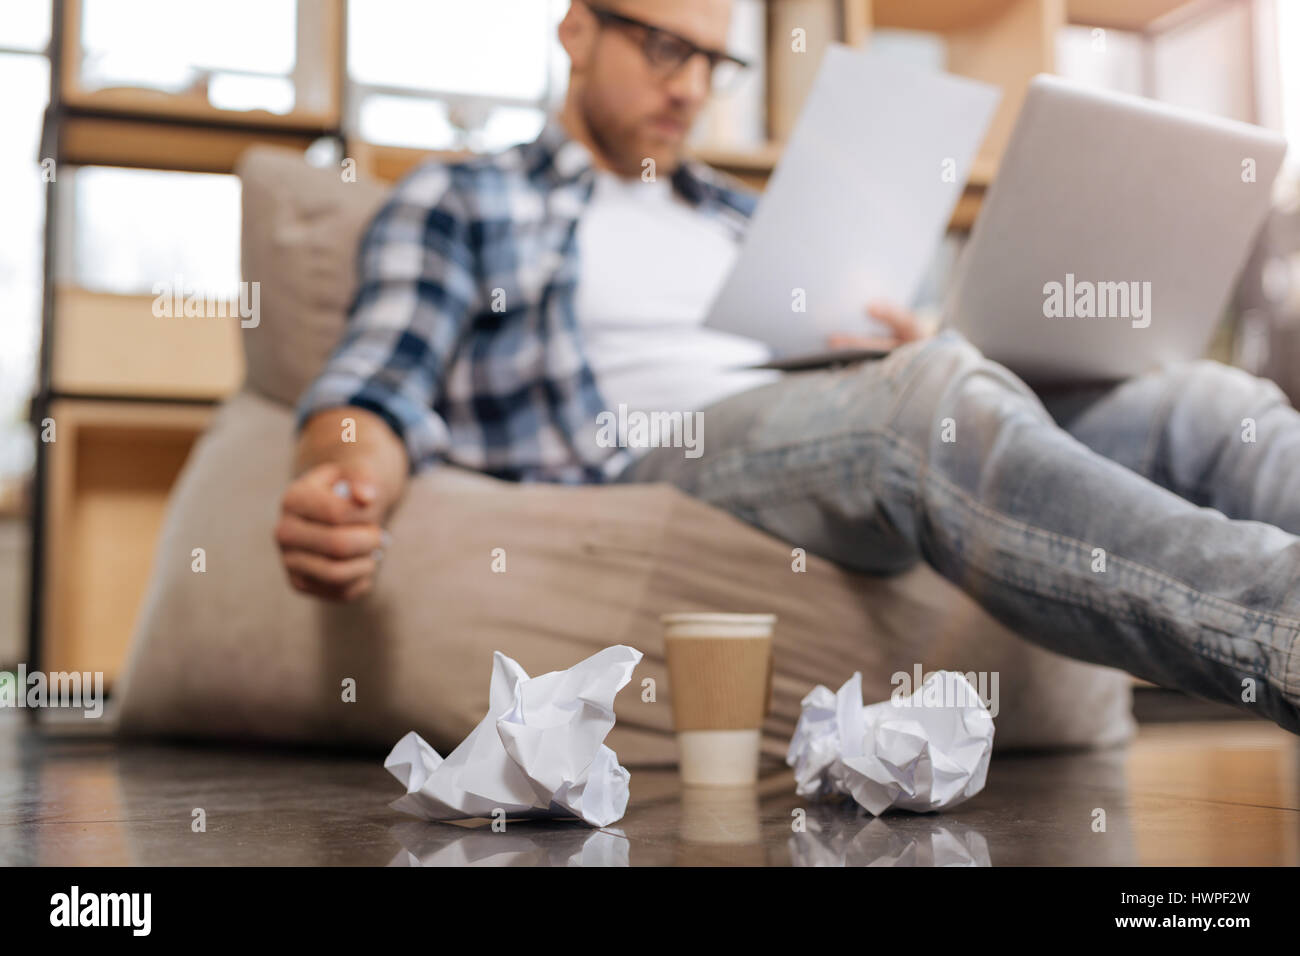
(129,392)
(947,16)
(1135,15)
(751,167)
(762,158)
(147,104)
(111,469)
(390,163)
(145,144)
(113,345)
(937,16)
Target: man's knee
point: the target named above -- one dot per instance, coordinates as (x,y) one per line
(949,350)
(947,379)
(1216,385)
(1210,406)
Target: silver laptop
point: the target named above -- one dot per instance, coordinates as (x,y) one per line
(1113,235)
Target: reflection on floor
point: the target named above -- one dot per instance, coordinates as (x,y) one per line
(1220,793)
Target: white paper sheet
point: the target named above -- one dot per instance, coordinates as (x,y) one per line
(539,752)
(856,207)
(910,753)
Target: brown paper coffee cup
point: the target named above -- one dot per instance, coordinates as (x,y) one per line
(720,673)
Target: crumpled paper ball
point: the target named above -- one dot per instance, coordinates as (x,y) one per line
(539,752)
(929,751)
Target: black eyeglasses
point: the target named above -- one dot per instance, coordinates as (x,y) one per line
(667,52)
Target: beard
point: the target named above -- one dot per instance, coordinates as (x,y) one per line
(625,146)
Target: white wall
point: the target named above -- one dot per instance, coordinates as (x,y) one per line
(1207,65)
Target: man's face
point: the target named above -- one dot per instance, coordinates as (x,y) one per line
(631,108)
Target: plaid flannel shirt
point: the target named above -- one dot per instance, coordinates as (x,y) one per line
(462,334)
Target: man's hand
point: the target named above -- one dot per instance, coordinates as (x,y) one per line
(904,326)
(330,530)
(329,534)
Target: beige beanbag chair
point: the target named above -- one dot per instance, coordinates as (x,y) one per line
(235,653)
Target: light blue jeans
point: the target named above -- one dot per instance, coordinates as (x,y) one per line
(1149,525)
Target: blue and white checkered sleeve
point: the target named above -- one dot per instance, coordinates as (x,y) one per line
(416,291)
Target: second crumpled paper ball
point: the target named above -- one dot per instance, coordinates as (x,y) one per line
(908,753)
(539,752)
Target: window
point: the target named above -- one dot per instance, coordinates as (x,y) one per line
(127,229)
(166,45)
(272,55)
(442,74)
(1204,63)
(25,78)
(1105,59)
(1288,59)
(26,26)
(738,119)
(241,52)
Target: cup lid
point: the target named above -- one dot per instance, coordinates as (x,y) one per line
(716,617)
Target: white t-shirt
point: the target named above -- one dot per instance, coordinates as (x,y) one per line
(650,265)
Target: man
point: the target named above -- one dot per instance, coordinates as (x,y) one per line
(506,302)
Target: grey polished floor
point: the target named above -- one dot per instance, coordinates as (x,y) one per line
(1207,793)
